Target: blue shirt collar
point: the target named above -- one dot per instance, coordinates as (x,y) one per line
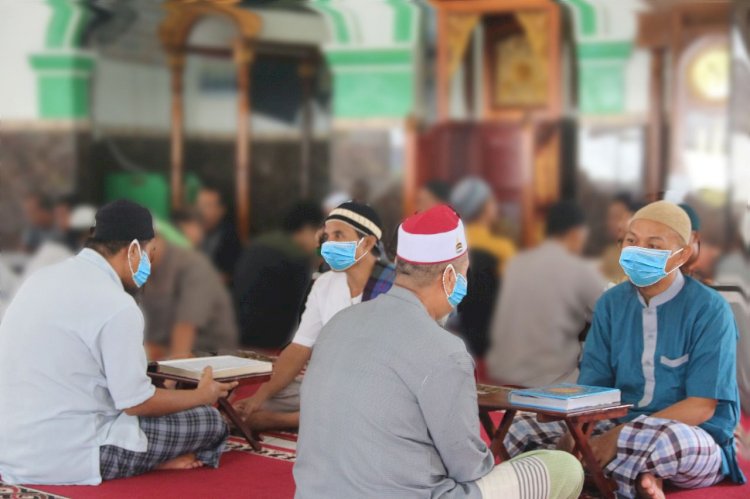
(665,295)
(95,258)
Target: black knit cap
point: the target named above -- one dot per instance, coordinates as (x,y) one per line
(360,216)
(123,220)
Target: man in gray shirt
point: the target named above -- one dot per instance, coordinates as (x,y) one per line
(389,405)
(187,307)
(547,299)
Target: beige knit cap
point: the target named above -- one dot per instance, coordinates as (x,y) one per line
(668,214)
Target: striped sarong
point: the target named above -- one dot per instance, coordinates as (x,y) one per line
(535,475)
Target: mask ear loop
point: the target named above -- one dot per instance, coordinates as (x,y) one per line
(355,250)
(670,256)
(450,266)
(138,245)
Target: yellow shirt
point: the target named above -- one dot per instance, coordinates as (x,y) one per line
(481,238)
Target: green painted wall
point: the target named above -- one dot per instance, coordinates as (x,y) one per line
(63,71)
(369,93)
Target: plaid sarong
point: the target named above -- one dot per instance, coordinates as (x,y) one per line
(200,430)
(380,281)
(685,455)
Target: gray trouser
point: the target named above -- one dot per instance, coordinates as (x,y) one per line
(287,400)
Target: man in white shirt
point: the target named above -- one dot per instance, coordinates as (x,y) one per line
(352,232)
(78,406)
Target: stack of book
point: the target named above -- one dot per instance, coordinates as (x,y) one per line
(565,397)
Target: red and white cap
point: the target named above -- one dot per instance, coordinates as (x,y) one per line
(433,236)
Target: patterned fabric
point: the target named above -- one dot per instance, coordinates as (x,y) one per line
(200,430)
(685,455)
(8,491)
(526,433)
(381,280)
(538,474)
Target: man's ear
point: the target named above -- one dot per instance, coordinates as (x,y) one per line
(687,254)
(448,278)
(370,242)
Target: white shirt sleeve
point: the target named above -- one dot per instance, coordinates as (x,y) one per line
(120,345)
(312,320)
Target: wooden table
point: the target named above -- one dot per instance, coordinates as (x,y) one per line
(224,405)
(580,423)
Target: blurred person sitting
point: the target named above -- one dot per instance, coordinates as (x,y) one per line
(273,276)
(474,201)
(62,211)
(432,193)
(188,309)
(76,229)
(188,221)
(733,281)
(40,221)
(547,300)
(79,407)
(619,211)
(668,343)
(702,263)
(734,267)
(221,244)
(489,253)
(352,234)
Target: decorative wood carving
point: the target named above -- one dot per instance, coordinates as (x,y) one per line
(174,32)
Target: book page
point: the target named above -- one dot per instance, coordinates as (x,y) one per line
(218,363)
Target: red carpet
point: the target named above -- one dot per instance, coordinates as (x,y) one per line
(244,473)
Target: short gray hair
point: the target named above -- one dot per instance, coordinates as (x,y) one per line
(424,275)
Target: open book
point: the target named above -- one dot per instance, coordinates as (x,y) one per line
(224,366)
(565,397)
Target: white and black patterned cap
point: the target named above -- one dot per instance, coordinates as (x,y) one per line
(360,216)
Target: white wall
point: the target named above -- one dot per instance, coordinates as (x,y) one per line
(23,25)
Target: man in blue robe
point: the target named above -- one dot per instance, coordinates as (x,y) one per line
(669,344)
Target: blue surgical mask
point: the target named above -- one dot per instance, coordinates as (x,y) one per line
(646,266)
(341,255)
(140,276)
(459,290)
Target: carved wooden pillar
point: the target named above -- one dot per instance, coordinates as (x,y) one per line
(243,56)
(411,167)
(655,164)
(306,74)
(176,60)
(442,77)
(174,32)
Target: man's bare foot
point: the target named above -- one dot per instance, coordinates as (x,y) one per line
(184,462)
(650,487)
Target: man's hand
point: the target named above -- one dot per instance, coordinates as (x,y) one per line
(246,407)
(605,446)
(210,391)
